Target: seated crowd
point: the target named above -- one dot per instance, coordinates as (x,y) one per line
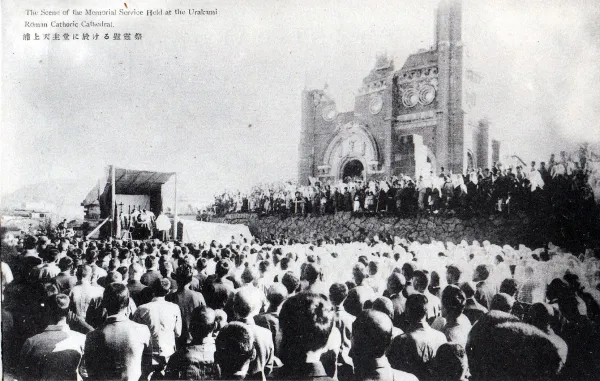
(561,184)
(382,309)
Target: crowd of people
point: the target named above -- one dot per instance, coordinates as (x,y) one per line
(561,184)
(379,309)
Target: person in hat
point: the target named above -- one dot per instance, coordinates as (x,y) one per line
(55,353)
(164,321)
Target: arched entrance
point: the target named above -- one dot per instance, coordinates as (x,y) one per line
(351,152)
(353,169)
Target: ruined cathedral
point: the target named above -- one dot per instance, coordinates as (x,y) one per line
(410,121)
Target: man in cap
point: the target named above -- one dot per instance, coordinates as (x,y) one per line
(55,353)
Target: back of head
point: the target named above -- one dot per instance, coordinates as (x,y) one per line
(115,298)
(216,295)
(58,305)
(371,335)
(306,321)
(453,300)
(246,302)
(83,272)
(161,287)
(65,263)
(151,262)
(478,348)
(30,242)
(249,275)
(136,271)
(184,274)
(52,253)
(337,293)
(384,305)
(312,272)
(223,267)
(357,297)
(482,272)
(276,294)
(113,276)
(509,286)
(420,281)
(450,362)
(91,256)
(416,308)
(453,274)
(520,352)
(468,288)
(290,281)
(202,322)
(540,315)
(373,268)
(234,347)
(396,283)
(502,302)
(408,270)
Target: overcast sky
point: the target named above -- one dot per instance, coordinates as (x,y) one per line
(181,99)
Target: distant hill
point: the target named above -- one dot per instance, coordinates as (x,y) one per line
(62,196)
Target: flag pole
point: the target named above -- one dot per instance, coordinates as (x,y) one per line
(175,212)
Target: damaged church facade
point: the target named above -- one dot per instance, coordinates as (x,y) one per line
(405,122)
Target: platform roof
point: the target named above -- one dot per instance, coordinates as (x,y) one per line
(132,181)
(129,181)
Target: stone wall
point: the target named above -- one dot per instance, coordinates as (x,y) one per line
(499,230)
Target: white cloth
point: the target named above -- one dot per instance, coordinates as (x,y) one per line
(163,222)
